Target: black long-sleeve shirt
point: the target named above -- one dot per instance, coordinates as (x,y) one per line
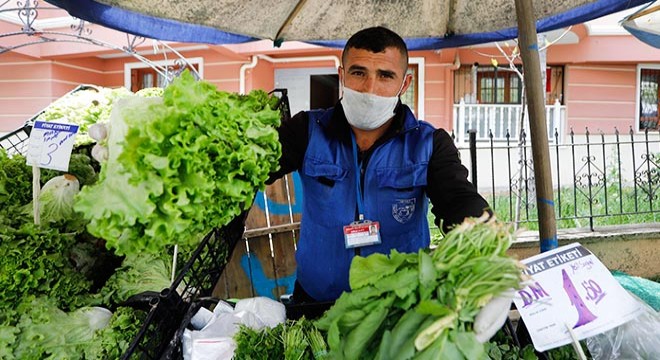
(452,196)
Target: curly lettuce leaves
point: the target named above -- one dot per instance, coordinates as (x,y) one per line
(90,106)
(112,341)
(180,165)
(15,180)
(137,274)
(35,262)
(46,332)
(84,108)
(80,166)
(112,205)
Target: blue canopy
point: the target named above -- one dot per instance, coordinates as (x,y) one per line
(646,32)
(172,30)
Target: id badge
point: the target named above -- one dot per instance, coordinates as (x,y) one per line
(361,233)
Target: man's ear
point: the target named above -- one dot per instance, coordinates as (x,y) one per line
(340,72)
(407,80)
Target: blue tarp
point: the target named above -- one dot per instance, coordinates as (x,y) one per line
(648,37)
(165,29)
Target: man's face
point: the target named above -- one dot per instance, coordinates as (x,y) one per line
(376,73)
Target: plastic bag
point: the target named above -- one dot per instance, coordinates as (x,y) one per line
(639,338)
(212,337)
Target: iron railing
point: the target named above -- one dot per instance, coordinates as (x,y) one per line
(602,179)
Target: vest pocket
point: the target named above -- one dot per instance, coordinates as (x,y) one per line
(326,173)
(401,197)
(325,194)
(403,178)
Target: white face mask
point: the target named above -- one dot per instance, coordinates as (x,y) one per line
(368,111)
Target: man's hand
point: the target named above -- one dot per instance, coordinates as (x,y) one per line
(492,316)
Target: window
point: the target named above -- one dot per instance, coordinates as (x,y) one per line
(498,86)
(648,96)
(140,75)
(486,85)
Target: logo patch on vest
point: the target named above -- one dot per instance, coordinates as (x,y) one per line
(403,210)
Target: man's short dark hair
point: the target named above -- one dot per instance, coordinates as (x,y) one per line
(376,39)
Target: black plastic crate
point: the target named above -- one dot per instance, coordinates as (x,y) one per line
(16,141)
(197,278)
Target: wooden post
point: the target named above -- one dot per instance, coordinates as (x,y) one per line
(529,51)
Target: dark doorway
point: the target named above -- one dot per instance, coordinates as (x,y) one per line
(323,91)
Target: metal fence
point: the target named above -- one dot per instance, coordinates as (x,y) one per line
(597,178)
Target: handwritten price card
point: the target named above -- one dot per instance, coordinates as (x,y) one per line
(50,145)
(570,287)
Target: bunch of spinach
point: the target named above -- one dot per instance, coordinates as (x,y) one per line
(423,305)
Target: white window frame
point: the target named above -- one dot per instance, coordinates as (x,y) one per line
(638,78)
(419,61)
(128,67)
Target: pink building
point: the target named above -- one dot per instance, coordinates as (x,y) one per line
(598,76)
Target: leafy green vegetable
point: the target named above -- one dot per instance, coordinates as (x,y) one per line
(137,274)
(80,166)
(35,262)
(150,92)
(7,340)
(56,199)
(15,180)
(113,341)
(295,343)
(180,165)
(259,344)
(84,108)
(423,305)
(292,340)
(317,343)
(46,331)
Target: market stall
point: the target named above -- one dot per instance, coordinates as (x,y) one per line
(400,306)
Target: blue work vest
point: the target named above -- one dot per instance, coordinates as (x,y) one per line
(394,194)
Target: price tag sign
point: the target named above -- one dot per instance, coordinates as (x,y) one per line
(571,288)
(50,145)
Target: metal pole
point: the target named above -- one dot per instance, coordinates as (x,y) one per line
(529,51)
(473,155)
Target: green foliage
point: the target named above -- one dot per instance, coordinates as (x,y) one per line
(180,165)
(43,331)
(137,274)
(35,263)
(113,341)
(607,201)
(15,180)
(422,305)
(292,340)
(80,166)
(84,108)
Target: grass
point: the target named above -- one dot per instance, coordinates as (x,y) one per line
(572,208)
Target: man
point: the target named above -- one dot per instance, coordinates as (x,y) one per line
(368,162)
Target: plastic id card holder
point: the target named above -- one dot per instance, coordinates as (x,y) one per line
(361,233)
